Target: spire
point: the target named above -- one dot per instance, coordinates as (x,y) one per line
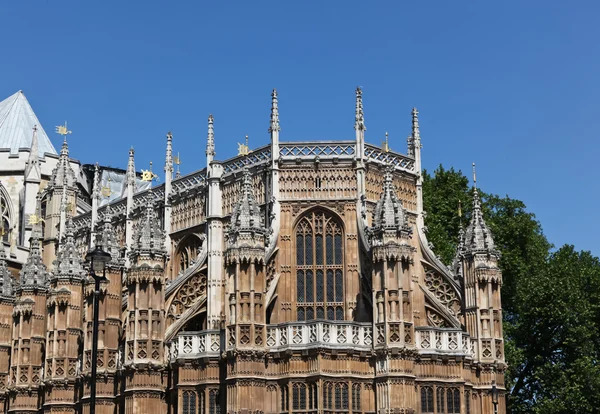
(274,113)
(246,214)
(415,151)
(131,168)
(6,280)
(478,237)
(107,237)
(148,237)
(389,213)
(416,135)
(63,174)
(68,263)
(32,168)
(169,156)
(210,139)
(34,273)
(359,119)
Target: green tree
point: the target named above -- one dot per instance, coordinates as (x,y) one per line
(550,300)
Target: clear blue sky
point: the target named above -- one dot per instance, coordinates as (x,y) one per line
(513,86)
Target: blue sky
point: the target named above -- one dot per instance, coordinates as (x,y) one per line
(513,86)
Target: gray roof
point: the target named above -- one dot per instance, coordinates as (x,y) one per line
(17,120)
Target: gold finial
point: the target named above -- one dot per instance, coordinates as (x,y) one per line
(148,175)
(243,149)
(459,208)
(385,146)
(177,160)
(474,176)
(34,219)
(63,130)
(106,191)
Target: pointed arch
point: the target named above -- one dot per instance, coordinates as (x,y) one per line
(7,216)
(188,252)
(319,266)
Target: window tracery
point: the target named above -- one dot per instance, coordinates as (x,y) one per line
(427,400)
(188,294)
(189,402)
(443,291)
(319,268)
(4,218)
(187,252)
(335,396)
(453,400)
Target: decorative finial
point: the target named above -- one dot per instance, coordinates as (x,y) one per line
(210,139)
(106,191)
(243,149)
(359,119)
(474,177)
(386,145)
(274,126)
(416,136)
(460,209)
(63,130)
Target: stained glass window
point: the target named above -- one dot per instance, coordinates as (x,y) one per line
(319,267)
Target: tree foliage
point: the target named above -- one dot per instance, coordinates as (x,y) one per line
(551,300)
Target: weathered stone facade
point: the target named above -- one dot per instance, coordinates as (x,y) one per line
(294,278)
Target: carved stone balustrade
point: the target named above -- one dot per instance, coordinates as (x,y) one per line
(195,345)
(320,334)
(444,341)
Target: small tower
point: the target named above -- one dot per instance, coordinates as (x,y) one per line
(415,149)
(109,319)
(392,263)
(144,348)
(64,338)
(29,324)
(482,285)
(360,128)
(246,284)
(7,301)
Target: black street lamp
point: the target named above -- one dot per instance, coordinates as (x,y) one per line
(495,396)
(98,259)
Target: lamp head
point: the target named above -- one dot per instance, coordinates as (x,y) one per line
(98,259)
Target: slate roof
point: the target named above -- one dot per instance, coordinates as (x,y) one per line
(16,126)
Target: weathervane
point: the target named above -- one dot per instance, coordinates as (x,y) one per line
(148,175)
(243,149)
(34,219)
(63,130)
(106,191)
(177,161)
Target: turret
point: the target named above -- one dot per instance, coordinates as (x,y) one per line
(65,300)
(481,289)
(7,301)
(145,331)
(29,330)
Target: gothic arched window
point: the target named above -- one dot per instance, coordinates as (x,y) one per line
(187,252)
(4,218)
(189,402)
(319,268)
(453,400)
(426,400)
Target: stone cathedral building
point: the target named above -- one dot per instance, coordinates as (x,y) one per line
(293,278)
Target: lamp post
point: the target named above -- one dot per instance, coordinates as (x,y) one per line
(495,396)
(98,259)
